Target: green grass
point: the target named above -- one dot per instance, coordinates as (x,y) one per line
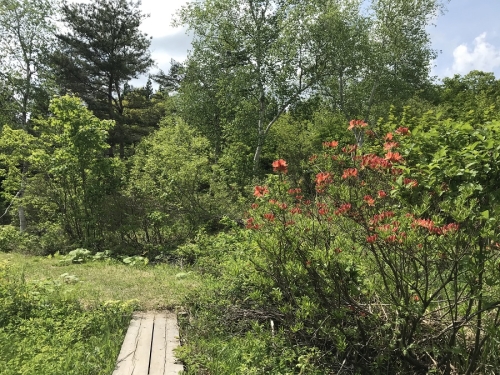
(155,287)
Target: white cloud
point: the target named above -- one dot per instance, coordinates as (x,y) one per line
(160,17)
(484,56)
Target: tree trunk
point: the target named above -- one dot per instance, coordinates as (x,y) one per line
(21,211)
(258,152)
(22,219)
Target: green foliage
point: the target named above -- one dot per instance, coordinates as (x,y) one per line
(43,331)
(226,332)
(101,49)
(390,267)
(472,98)
(291,139)
(255,351)
(78,256)
(172,186)
(253,61)
(142,112)
(12,240)
(27,30)
(75,181)
(16,148)
(250,79)
(135,260)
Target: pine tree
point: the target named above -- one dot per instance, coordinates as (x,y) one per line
(102,50)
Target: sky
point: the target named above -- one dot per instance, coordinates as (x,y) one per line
(467,36)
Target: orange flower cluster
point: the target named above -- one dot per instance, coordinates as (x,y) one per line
(260,191)
(391,239)
(323,178)
(394,157)
(251,224)
(373,161)
(322,208)
(280,165)
(323,211)
(350,149)
(382,216)
(331,144)
(350,172)
(452,227)
(402,130)
(424,223)
(429,224)
(369,200)
(409,181)
(357,124)
(269,216)
(343,209)
(390,145)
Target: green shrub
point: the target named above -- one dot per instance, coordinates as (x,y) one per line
(390,268)
(173,189)
(13,240)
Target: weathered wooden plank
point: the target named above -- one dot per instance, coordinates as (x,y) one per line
(172,366)
(148,346)
(125,362)
(159,345)
(143,349)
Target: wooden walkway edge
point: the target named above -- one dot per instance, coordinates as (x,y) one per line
(148,346)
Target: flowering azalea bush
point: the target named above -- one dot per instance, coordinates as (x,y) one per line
(392,262)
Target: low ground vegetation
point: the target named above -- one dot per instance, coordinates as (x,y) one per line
(60,317)
(45,331)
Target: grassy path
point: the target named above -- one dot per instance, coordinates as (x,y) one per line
(153,287)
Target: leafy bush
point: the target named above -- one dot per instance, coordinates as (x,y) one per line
(390,267)
(225,332)
(68,183)
(12,240)
(172,188)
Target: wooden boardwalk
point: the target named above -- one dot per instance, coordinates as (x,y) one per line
(148,346)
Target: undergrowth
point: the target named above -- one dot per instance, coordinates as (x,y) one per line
(45,331)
